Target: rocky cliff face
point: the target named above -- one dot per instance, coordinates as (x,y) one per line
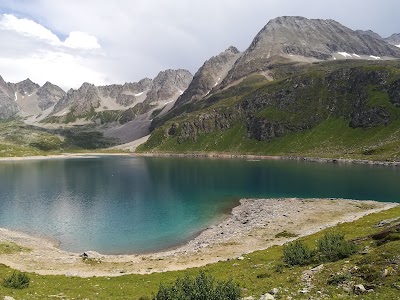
(301,39)
(209,76)
(394,39)
(48,95)
(26,87)
(168,85)
(79,101)
(8,105)
(370,33)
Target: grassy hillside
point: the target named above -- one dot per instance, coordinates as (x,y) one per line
(19,139)
(257,274)
(327,110)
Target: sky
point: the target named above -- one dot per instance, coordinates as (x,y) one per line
(68,42)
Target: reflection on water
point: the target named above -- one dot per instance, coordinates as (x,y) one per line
(127,204)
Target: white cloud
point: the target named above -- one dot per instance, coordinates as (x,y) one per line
(26,27)
(81,40)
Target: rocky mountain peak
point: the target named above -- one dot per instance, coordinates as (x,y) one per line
(370,33)
(209,76)
(48,95)
(27,86)
(306,40)
(168,84)
(232,49)
(394,39)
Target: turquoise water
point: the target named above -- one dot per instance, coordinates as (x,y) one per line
(135,204)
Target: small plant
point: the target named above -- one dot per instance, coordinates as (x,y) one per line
(337,279)
(201,287)
(17,280)
(279,268)
(296,253)
(333,247)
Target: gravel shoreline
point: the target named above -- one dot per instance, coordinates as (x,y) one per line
(253,225)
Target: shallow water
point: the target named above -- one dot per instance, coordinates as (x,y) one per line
(116,204)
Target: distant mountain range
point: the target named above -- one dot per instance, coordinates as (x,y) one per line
(126,111)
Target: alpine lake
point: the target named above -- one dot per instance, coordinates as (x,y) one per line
(128,204)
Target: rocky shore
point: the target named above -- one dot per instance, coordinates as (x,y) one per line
(270,157)
(255,224)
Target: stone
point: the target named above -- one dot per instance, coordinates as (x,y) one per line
(249,298)
(359,289)
(8,298)
(240,258)
(267,296)
(274,291)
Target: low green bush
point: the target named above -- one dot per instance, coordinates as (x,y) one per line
(296,253)
(202,287)
(17,280)
(333,247)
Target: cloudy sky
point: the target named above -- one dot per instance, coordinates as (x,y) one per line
(69,42)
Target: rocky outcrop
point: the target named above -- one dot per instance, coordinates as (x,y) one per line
(370,33)
(79,101)
(26,87)
(168,85)
(48,95)
(209,76)
(8,105)
(394,39)
(301,39)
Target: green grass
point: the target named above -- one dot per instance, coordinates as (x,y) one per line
(256,274)
(10,248)
(332,138)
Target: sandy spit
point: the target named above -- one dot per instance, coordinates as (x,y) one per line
(251,226)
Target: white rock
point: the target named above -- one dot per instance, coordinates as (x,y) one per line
(267,296)
(359,289)
(274,291)
(8,298)
(240,258)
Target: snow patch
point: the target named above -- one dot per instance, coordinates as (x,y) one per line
(345,54)
(137,95)
(356,55)
(219,79)
(335,58)
(16,96)
(30,95)
(374,57)
(168,102)
(181,92)
(398,45)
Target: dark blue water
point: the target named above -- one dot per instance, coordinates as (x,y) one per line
(133,205)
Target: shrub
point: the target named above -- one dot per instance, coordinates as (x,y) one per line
(17,280)
(333,247)
(202,287)
(338,279)
(296,253)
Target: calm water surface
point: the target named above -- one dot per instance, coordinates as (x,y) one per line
(133,205)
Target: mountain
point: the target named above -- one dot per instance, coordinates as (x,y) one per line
(169,85)
(304,40)
(327,109)
(370,33)
(48,95)
(121,102)
(209,76)
(8,96)
(394,39)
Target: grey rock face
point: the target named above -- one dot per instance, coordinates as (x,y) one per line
(48,95)
(209,75)
(168,84)
(26,87)
(394,39)
(370,33)
(315,39)
(81,100)
(8,106)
